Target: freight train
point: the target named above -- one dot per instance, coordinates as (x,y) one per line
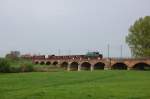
(91,55)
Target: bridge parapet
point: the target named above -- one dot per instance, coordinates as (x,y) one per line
(131,59)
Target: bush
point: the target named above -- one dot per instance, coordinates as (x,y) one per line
(14,69)
(26,67)
(4,66)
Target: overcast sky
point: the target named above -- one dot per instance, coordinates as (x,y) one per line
(73,26)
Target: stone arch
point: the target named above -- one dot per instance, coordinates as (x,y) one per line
(48,63)
(36,62)
(55,63)
(99,66)
(85,66)
(42,63)
(74,66)
(141,66)
(64,65)
(119,66)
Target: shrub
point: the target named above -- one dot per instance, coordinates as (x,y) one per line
(14,69)
(26,67)
(4,65)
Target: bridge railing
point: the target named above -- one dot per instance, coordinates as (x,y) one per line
(74,59)
(123,59)
(89,59)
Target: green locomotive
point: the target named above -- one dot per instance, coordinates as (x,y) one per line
(93,54)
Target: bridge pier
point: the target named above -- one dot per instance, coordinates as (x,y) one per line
(68,67)
(106,68)
(129,68)
(79,67)
(92,67)
(108,64)
(58,65)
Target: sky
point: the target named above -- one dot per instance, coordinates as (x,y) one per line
(65,27)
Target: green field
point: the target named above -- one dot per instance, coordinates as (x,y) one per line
(76,85)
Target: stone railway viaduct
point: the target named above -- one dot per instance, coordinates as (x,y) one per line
(79,63)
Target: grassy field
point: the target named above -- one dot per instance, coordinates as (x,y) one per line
(76,85)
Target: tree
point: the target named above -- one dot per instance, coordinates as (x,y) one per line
(138,38)
(4,66)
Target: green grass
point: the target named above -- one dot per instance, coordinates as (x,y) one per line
(76,85)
